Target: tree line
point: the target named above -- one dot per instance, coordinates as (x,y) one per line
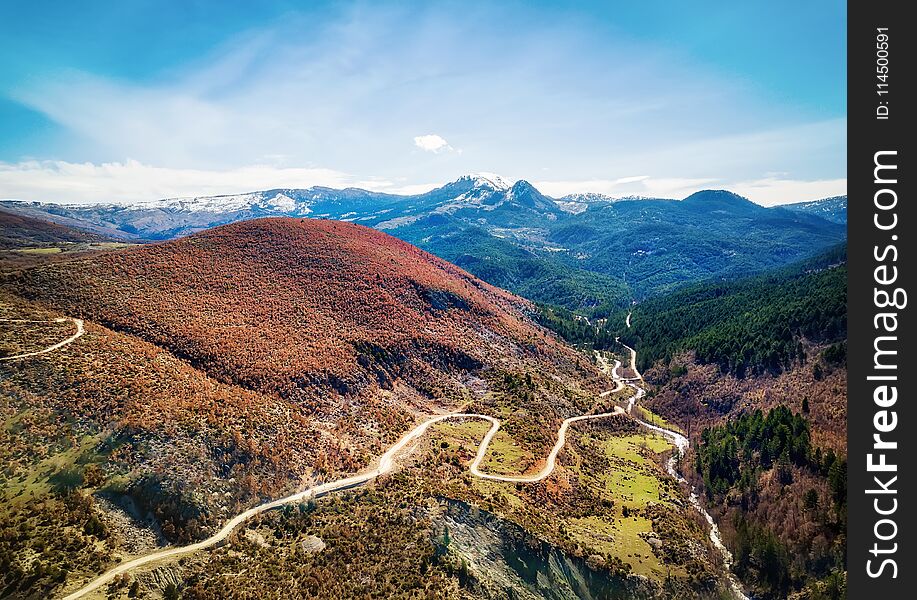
(735,458)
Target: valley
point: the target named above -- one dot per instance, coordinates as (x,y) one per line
(431,301)
(216,419)
(753,371)
(384,465)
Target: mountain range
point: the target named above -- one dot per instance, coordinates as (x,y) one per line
(581,251)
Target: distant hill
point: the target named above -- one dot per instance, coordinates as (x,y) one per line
(348,308)
(243,361)
(832,209)
(17,230)
(580,252)
(657,245)
(749,326)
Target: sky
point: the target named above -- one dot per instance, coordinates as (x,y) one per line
(143,99)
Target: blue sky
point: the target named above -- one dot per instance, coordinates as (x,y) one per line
(133,100)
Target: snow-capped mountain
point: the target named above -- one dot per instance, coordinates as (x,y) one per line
(478,190)
(487,193)
(512,210)
(587,198)
(514,236)
(270,200)
(483,180)
(290,201)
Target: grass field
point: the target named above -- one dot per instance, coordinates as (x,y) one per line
(620,468)
(63,469)
(45,250)
(72,247)
(504,456)
(654,419)
(631,477)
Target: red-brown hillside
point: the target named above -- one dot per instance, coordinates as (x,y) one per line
(242,363)
(302,307)
(20,230)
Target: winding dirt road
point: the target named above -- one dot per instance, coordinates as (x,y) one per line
(603,365)
(633,362)
(387,462)
(552,457)
(79,332)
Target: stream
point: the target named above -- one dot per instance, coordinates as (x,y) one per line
(681,444)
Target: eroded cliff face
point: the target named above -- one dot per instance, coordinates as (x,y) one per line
(496,558)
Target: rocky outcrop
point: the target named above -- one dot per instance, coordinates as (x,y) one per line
(499,559)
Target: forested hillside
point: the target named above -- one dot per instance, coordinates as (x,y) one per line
(534,275)
(786,498)
(296,307)
(747,326)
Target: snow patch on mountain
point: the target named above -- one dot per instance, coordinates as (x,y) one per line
(571,207)
(487,180)
(832,209)
(277,201)
(577,203)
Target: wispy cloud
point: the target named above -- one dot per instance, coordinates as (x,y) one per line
(627,186)
(772,191)
(768,191)
(130,181)
(345,94)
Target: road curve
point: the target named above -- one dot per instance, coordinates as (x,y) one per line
(633,362)
(386,464)
(552,457)
(613,371)
(79,332)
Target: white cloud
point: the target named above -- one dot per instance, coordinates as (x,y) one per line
(631,179)
(132,181)
(410,189)
(432,143)
(642,185)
